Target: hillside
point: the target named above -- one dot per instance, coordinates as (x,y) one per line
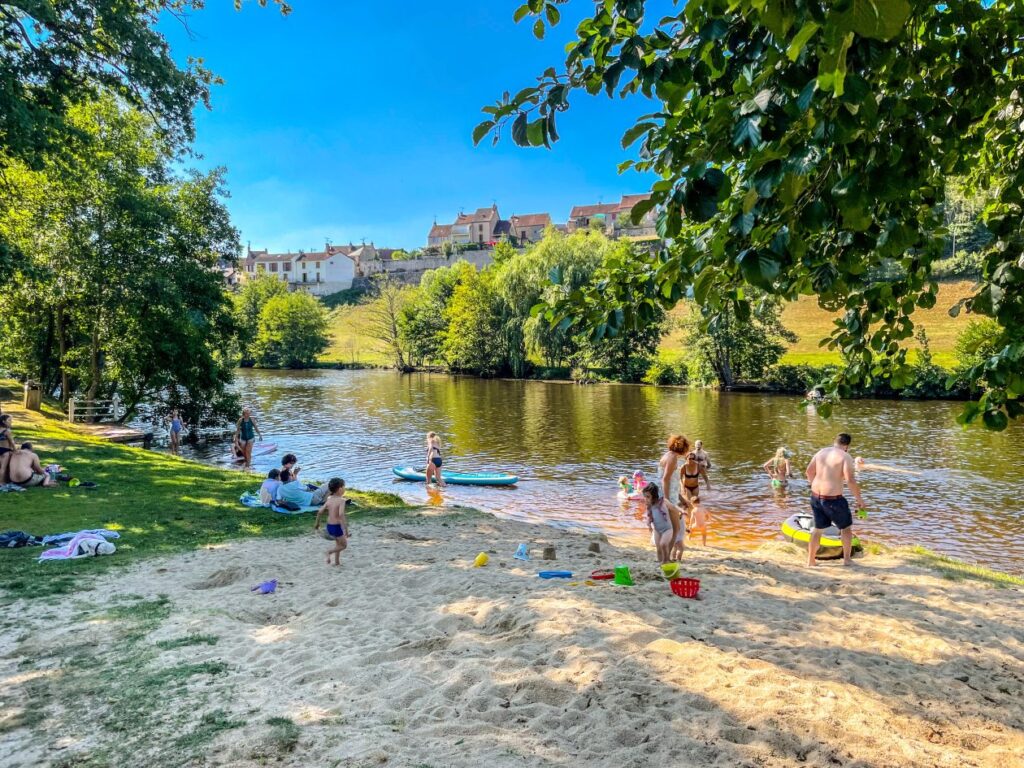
(804,317)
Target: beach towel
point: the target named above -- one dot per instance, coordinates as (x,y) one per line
(250,499)
(60,538)
(83,545)
(13,539)
(9,487)
(299,511)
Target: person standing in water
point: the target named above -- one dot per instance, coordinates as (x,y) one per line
(828,471)
(778,468)
(176,425)
(702,456)
(692,471)
(434,459)
(668,466)
(245,434)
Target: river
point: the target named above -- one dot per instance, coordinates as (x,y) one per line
(952,490)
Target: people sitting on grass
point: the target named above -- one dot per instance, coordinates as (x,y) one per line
(24,469)
(292,491)
(270,486)
(290,462)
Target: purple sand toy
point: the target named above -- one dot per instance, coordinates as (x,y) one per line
(266,587)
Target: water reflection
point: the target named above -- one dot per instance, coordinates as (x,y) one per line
(569,444)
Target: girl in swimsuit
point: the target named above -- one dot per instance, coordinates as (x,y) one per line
(664,520)
(434,460)
(6,445)
(778,468)
(669,465)
(176,426)
(691,472)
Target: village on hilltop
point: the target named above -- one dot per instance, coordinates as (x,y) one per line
(471,236)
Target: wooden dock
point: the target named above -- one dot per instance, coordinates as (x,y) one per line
(117,433)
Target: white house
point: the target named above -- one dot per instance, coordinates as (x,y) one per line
(315,272)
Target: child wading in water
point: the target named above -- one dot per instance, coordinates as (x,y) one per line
(434,460)
(337,521)
(699,519)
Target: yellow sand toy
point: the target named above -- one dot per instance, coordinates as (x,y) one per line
(481,560)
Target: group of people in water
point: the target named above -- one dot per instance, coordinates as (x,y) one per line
(19,464)
(674,509)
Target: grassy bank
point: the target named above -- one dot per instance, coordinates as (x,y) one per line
(811,323)
(160,504)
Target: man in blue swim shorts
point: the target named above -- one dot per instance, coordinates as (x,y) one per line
(827,473)
(337,521)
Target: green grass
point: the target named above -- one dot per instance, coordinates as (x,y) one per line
(349,343)
(811,323)
(186,641)
(160,504)
(957,570)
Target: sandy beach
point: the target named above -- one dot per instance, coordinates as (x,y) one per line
(407,655)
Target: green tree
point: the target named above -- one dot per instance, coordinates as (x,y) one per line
(809,143)
(384,304)
(249,301)
(422,322)
(471,342)
(729,349)
(116,290)
(292,331)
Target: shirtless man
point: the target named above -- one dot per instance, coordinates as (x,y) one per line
(829,469)
(24,468)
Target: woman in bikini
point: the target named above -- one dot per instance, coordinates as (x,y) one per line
(434,459)
(668,465)
(778,468)
(692,471)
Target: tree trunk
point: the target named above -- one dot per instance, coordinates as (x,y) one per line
(47,352)
(94,361)
(62,349)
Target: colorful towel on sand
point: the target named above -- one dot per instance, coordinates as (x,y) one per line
(60,538)
(83,545)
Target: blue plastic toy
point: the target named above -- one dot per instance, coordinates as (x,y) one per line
(555,574)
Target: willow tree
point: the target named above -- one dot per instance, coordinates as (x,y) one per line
(809,141)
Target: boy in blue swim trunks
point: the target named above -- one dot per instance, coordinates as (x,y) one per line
(337,522)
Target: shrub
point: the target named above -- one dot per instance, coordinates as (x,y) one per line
(663,373)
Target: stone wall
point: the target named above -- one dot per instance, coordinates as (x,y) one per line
(411,270)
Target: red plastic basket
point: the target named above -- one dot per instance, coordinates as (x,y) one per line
(685,587)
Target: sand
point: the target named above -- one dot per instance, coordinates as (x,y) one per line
(407,655)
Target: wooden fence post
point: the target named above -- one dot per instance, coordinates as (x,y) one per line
(71,410)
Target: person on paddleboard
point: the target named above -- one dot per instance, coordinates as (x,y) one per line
(829,470)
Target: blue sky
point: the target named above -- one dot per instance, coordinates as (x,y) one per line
(351,120)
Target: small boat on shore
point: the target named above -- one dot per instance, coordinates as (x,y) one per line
(797,528)
(459,478)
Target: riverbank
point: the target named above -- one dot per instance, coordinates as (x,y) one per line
(160,504)
(407,655)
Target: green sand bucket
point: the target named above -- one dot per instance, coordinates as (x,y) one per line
(622,577)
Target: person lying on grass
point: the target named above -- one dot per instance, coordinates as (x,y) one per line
(24,469)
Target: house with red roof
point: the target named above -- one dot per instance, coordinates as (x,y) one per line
(315,272)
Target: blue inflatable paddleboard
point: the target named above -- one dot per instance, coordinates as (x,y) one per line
(459,478)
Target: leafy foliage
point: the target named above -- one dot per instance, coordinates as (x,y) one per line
(249,301)
(116,289)
(731,348)
(292,331)
(386,300)
(809,144)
